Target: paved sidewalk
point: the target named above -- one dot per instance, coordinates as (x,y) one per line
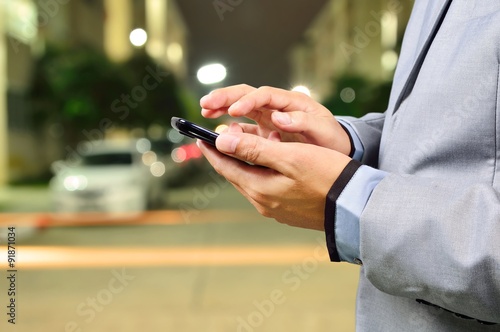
(238,272)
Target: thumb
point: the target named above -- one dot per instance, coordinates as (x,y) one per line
(298,122)
(254,149)
(322,130)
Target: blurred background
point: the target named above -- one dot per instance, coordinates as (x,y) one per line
(119,223)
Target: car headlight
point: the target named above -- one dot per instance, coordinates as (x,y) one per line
(75,182)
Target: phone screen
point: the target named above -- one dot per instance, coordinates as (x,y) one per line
(193,130)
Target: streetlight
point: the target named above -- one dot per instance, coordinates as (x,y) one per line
(210,74)
(138,37)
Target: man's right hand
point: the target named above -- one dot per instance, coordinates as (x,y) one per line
(294,115)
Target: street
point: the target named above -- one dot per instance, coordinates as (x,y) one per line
(207,262)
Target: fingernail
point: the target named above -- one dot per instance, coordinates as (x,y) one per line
(234,128)
(204,99)
(234,106)
(227,143)
(282,118)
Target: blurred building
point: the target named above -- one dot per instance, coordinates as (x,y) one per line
(27,26)
(3,102)
(107,25)
(357,37)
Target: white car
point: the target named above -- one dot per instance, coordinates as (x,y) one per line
(109,180)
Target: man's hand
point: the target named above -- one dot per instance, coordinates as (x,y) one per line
(288,181)
(294,115)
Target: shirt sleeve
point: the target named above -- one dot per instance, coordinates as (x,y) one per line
(349,206)
(357,147)
(345,202)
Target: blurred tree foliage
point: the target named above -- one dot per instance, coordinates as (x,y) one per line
(83,91)
(356,96)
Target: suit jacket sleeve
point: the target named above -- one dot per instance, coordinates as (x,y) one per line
(369,131)
(436,240)
(431,228)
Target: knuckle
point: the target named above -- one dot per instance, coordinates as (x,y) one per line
(259,197)
(244,87)
(266,205)
(265,90)
(266,213)
(250,152)
(261,210)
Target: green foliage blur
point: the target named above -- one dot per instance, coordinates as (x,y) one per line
(83,90)
(355,96)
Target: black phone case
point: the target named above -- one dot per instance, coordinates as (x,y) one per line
(193,130)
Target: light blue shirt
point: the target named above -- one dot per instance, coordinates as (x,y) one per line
(351,203)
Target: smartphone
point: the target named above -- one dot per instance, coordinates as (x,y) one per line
(193,130)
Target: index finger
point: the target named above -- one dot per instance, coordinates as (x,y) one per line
(218,101)
(270,98)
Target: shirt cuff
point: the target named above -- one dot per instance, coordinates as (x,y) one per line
(345,203)
(357,147)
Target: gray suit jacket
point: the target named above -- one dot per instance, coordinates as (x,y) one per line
(431,229)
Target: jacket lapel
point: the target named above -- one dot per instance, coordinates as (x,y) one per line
(412,78)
